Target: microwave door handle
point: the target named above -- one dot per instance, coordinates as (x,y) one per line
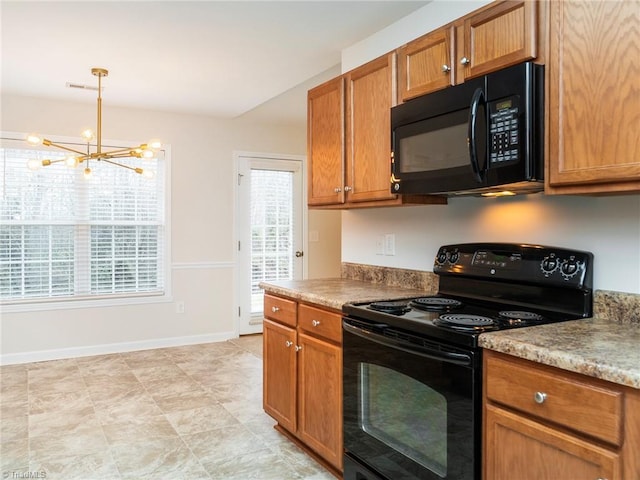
(476,102)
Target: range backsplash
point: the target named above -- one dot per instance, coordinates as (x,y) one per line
(617,307)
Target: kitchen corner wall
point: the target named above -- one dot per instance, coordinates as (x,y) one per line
(202,233)
(607,226)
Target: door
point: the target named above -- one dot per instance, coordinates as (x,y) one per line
(269,229)
(538,452)
(411,406)
(280,365)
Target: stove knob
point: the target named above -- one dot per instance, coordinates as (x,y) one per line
(442,257)
(549,264)
(453,258)
(569,268)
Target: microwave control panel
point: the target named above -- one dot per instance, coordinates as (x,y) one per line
(504,130)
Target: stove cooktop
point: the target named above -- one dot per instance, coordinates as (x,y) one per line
(455,320)
(491,286)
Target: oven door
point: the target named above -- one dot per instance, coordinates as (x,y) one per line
(412,406)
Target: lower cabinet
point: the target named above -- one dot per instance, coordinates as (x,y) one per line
(544,423)
(302,387)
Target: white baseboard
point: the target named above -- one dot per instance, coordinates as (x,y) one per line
(75,352)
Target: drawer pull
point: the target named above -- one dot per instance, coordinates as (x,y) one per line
(315,323)
(540,397)
(275,309)
(288,343)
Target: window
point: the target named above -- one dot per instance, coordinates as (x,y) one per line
(64,237)
(272,230)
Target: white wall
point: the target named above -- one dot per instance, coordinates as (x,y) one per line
(202,253)
(607,226)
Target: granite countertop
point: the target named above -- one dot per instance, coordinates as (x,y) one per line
(599,347)
(595,347)
(335,292)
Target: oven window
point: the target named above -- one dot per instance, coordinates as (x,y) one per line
(404,414)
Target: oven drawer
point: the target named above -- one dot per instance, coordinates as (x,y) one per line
(280,310)
(320,322)
(593,408)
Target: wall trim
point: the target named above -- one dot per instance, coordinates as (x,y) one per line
(76,352)
(201,265)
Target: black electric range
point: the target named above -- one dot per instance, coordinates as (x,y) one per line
(491,286)
(412,368)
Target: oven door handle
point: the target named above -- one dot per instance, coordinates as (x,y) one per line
(444,356)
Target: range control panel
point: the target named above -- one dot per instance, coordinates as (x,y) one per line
(517,262)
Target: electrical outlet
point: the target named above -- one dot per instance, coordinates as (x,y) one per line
(180,307)
(389,244)
(380,245)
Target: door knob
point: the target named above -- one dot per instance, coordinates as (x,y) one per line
(299,254)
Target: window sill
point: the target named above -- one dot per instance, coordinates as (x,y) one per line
(98,302)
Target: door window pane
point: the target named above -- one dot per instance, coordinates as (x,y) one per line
(272,230)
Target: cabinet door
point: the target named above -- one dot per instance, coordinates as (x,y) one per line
(426,64)
(499,36)
(320,397)
(325,143)
(370,96)
(279,373)
(594,97)
(514,443)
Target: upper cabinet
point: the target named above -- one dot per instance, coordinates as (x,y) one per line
(325,143)
(497,36)
(348,139)
(593,97)
(502,35)
(427,63)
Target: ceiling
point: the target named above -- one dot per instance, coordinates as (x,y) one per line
(217,58)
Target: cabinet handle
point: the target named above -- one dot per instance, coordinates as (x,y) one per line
(275,309)
(540,397)
(446,68)
(337,190)
(288,343)
(298,348)
(347,188)
(315,323)
(465,61)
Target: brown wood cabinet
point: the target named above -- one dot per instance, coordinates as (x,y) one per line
(593,97)
(348,140)
(325,143)
(302,387)
(502,34)
(546,423)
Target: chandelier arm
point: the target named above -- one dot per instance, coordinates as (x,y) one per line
(129,151)
(137,170)
(65,148)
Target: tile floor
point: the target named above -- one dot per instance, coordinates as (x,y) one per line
(192,412)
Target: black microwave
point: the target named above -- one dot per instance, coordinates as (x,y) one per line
(482,137)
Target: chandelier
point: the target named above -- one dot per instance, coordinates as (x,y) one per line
(76,157)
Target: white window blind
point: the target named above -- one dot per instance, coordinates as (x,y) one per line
(272,228)
(62,235)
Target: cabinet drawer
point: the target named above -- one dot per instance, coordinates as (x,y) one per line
(321,323)
(592,408)
(280,309)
